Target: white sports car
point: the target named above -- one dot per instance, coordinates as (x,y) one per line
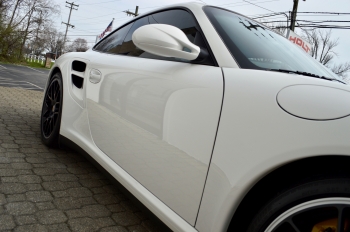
(213,121)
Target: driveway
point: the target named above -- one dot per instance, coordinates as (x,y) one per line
(44,189)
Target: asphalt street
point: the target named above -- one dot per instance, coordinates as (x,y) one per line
(23,77)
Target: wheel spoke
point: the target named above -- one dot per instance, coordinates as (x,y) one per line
(57,107)
(46,106)
(290,221)
(57,92)
(341,219)
(52,123)
(47,126)
(53,90)
(50,126)
(45,113)
(48,94)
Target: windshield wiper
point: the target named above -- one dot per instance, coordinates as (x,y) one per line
(306,74)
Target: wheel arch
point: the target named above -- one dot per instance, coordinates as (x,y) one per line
(293,173)
(53,71)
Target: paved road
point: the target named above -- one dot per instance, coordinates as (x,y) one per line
(44,189)
(23,77)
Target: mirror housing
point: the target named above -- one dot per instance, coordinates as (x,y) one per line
(167,41)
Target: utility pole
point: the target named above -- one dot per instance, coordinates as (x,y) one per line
(72,5)
(294,14)
(129,13)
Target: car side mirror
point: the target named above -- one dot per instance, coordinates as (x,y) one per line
(168,41)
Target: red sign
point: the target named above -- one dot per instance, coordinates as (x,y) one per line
(299,41)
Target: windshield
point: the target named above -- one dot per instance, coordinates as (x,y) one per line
(254,46)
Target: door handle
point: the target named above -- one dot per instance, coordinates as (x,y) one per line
(95,76)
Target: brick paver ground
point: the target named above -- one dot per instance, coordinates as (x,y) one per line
(44,189)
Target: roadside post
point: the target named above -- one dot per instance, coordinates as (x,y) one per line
(48,62)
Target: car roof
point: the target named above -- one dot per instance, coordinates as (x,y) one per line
(189,5)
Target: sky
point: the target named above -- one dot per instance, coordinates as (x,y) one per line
(93,16)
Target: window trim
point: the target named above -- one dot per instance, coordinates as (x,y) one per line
(125,25)
(215,63)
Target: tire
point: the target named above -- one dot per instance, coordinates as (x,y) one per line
(311,206)
(51,111)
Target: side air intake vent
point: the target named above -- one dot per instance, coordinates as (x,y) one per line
(77,81)
(78,66)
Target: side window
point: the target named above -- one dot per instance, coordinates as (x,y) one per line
(177,18)
(182,20)
(128,47)
(112,43)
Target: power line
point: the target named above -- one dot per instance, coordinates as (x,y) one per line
(338,13)
(311,21)
(258,6)
(150,7)
(320,15)
(98,16)
(316,26)
(97,29)
(334,14)
(269,15)
(98,3)
(117,19)
(240,2)
(235,6)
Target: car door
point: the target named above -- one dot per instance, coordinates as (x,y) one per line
(156,117)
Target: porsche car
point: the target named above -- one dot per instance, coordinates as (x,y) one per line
(210,119)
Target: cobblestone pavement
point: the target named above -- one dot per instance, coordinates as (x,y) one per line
(44,189)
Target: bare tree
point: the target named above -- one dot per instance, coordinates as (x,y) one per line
(341,69)
(41,22)
(4,7)
(31,9)
(322,45)
(78,45)
(23,22)
(52,37)
(323,50)
(53,40)
(18,2)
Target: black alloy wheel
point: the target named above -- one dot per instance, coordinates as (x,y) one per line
(51,111)
(316,206)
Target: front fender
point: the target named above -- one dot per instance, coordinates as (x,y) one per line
(256,136)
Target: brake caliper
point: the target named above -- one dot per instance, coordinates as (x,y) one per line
(328,226)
